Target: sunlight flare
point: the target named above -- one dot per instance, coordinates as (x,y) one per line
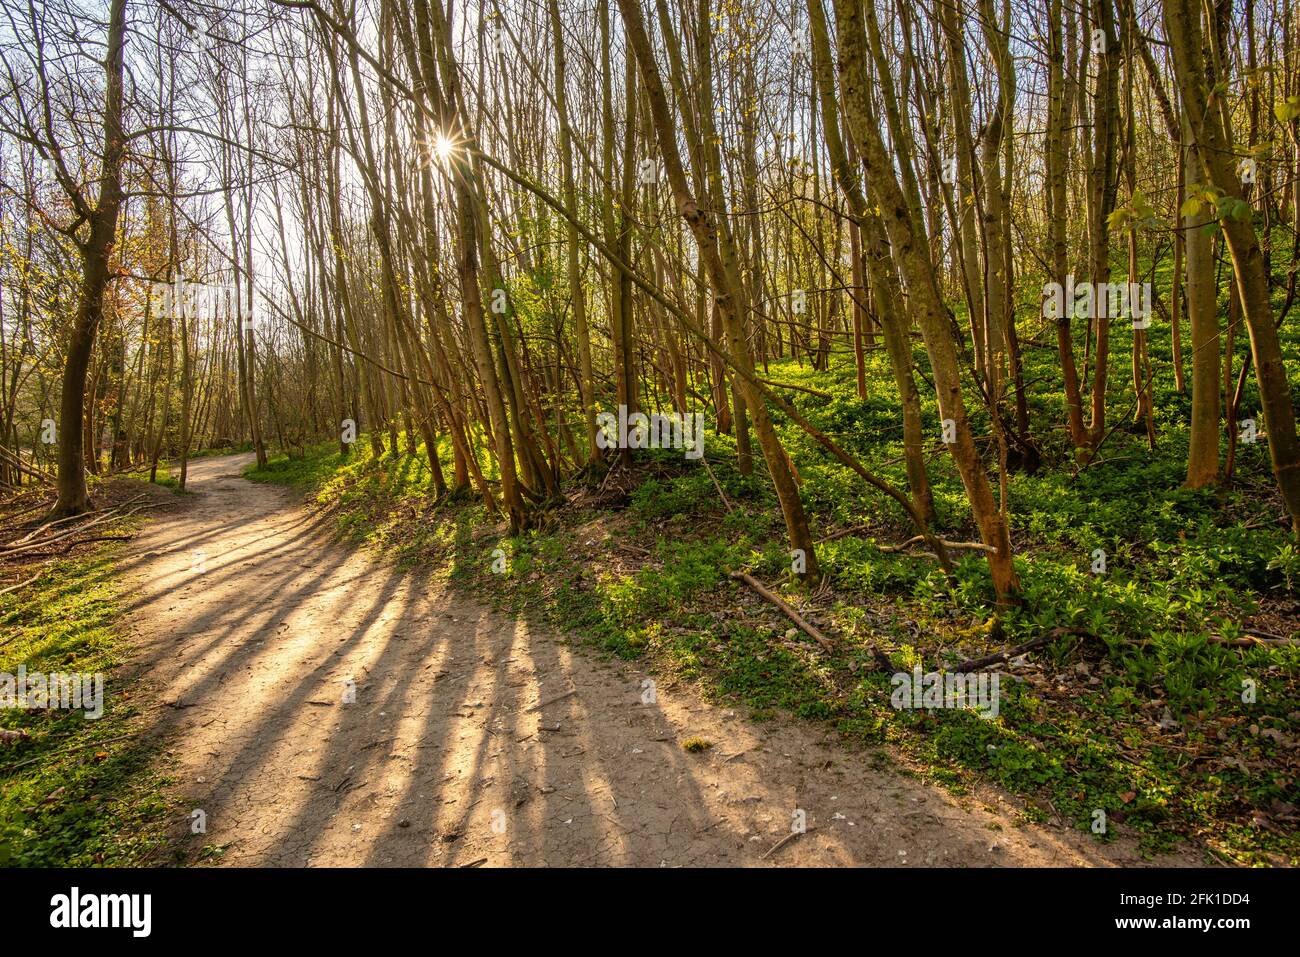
(443,148)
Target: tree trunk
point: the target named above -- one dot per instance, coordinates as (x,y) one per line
(73,498)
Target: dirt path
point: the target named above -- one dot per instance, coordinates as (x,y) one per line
(445,757)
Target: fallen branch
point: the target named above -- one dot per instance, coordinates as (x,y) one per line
(1251,641)
(550,701)
(1267,636)
(790,613)
(66,519)
(13,588)
(975,664)
(43,502)
(46,526)
(86,541)
(111,514)
(783,842)
(955,546)
(718,486)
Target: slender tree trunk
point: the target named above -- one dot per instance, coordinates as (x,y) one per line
(718,254)
(1210,140)
(1203,313)
(911,252)
(96,253)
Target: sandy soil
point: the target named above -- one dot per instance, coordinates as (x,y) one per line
(474,739)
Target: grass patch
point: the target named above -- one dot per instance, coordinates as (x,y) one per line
(75,792)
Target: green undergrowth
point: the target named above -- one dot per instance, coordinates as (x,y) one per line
(76,791)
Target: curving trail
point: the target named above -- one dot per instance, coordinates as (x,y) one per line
(445,758)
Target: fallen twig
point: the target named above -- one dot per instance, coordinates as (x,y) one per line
(975,664)
(549,701)
(721,493)
(790,613)
(24,584)
(955,546)
(783,842)
(94,538)
(1267,636)
(1252,641)
(111,514)
(46,526)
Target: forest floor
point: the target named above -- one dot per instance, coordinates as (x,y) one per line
(476,739)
